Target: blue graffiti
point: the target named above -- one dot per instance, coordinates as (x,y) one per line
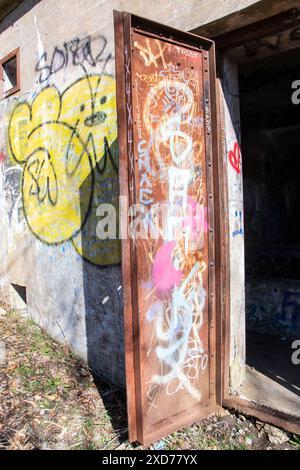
(238,224)
(290,308)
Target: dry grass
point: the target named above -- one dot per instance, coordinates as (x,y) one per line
(50,400)
(48,397)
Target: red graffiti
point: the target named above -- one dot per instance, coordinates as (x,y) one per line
(235,158)
(2,157)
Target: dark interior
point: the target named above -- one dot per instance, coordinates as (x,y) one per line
(270,130)
(271,165)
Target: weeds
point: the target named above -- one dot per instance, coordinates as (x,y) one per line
(50,400)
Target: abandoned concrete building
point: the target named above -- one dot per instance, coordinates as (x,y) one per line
(181,102)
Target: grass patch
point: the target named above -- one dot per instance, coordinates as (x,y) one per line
(49,400)
(36,379)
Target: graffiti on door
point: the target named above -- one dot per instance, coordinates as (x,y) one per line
(169,138)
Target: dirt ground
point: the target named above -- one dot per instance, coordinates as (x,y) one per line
(49,399)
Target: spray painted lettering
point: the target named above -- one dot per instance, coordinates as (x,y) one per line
(86,52)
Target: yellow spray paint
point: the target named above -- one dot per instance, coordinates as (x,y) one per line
(59,139)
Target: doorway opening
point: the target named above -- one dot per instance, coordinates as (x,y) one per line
(270,143)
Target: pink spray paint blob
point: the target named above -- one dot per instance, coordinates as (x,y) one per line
(165,276)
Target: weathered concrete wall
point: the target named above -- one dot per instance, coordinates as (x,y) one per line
(227,16)
(67,106)
(236,225)
(55,170)
(273,307)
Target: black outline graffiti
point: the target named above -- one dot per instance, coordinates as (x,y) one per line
(78,52)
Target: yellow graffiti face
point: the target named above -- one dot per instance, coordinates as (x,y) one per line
(89,106)
(59,139)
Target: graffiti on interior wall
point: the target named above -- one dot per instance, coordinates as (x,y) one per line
(66,145)
(170,136)
(274,43)
(87,52)
(272,309)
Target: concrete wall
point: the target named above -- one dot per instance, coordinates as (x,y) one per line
(48,214)
(233,161)
(48,208)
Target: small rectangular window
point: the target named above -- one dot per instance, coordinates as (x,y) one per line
(10,74)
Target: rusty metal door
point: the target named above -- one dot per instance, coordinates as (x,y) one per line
(167,145)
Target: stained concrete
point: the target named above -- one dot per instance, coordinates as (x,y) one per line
(271,377)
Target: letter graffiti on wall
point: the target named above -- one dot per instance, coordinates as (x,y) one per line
(169,139)
(66,144)
(83,52)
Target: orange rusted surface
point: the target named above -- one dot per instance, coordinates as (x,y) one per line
(172,270)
